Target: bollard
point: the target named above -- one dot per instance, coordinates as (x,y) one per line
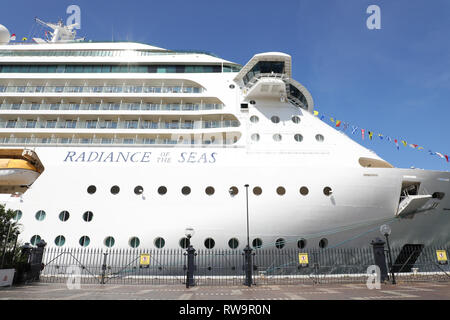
(248,266)
(380,257)
(190,282)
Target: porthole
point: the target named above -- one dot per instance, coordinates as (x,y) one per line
(275,119)
(281,191)
(35,239)
(231,86)
(209,191)
(296,119)
(257,243)
(115,189)
(134,242)
(60,240)
(304,191)
(298,137)
(162,190)
(40,215)
(184,243)
(254,119)
(64,215)
(91,189)
(255,137)
(138,190)
(17,215)
(320,138)
(233,191)
(277,137)
(109,242)
(252,101)
(84,241)
(257,191)
(280,243)
(327,191)
(233,243)
(323,243)
(186,190)
(87,216)
(301,244)
(209,243)
(159,243)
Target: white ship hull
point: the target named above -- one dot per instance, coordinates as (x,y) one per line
(362,199)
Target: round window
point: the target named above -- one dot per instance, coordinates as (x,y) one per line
(84,241)
(64,215)
(280,243)
(298,137)
(160,242)
(277,137)
(255,137)
(134,242)
(320,138)
(60,240)
(35,239)
(40,215)
(296,119)
(323,243)
(87,216)
(138,190)
(233,191)
(281,191)
(233,243)
(254,119)
(109,242)
(209,243)
(275,119)
(301,243)
(17,215)
(304,191)
(257,191)
(186,190)
(91,189)
(184,243)
(231,86)
(115,189)
(327,191)
(162,190)
(209,191)
(257,243)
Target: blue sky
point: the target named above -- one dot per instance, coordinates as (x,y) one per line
(394,81)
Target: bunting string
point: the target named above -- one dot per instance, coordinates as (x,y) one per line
(369,134)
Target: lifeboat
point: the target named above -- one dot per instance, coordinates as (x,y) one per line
(19,168)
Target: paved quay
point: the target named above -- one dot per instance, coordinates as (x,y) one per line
(59,291)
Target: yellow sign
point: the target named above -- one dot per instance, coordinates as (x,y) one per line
(441,256)
(303,258)
(145,259)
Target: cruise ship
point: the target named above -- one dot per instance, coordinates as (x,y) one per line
(125,145)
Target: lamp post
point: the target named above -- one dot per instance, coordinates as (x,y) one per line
(386,231)
(189,232)
(248,250)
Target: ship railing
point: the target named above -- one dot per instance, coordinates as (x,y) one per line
(113,106)
(101,89)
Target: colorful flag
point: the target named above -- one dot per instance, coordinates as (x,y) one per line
(396,143)
(13,37)
(440,155)
(332,120)
(381,136)
(354,128)
(322,117)
(405,143)
(338,123)
(362,133)
(446,157)
(316,113)
(24,39)
(370,135)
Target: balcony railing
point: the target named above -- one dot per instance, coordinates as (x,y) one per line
(113,106)
(112,124)
(100,89)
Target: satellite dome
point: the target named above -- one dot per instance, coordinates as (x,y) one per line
(4,35)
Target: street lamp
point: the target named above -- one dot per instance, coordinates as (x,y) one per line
(189,232)
(386,231)
(248,249)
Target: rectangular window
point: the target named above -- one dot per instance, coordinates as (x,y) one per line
(11,124)
(51,124)
(31,124)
